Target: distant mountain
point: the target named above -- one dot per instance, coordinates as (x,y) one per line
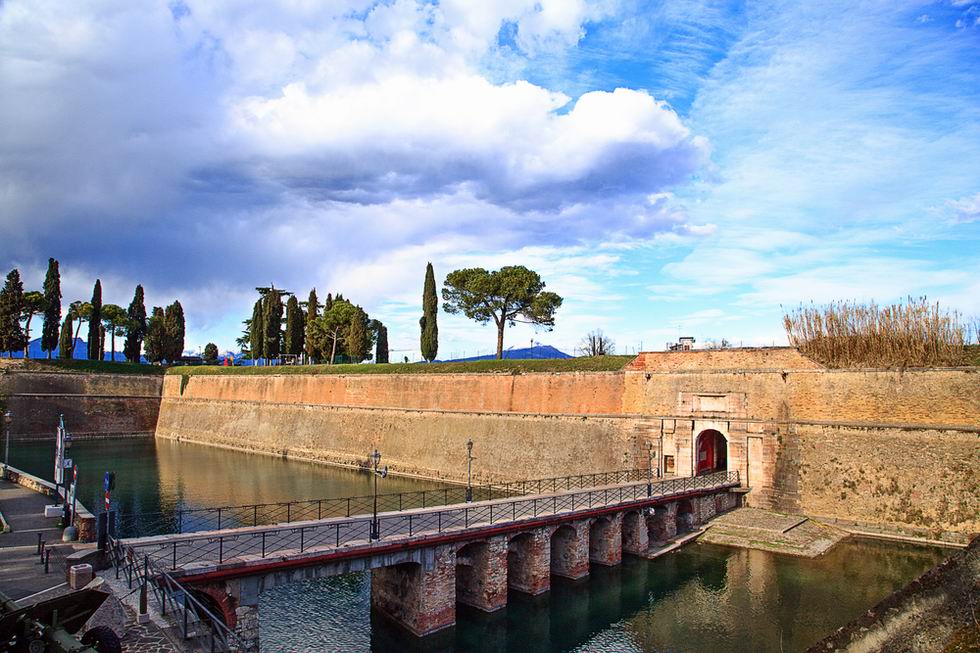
(537,351)
(81,351)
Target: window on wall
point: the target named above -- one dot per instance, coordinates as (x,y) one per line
(668,464)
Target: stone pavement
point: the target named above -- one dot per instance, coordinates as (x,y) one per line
(145,638)
(21,571)
(753,528)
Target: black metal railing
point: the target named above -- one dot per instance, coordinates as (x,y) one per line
(285,540)
(194,520)
(195,623)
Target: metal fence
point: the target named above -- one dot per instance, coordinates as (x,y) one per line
(208,519)
(197,625)
(285,540)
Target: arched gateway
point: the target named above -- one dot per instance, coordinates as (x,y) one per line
(711,452)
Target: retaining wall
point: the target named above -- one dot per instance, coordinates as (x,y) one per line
(93,405)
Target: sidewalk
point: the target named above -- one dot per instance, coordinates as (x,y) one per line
(21,571)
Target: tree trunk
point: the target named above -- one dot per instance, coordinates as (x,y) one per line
(27,335)
(333,348)
(500,339)
(77,329)
(113,359)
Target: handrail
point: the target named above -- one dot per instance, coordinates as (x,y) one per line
(170,594)
(330,535)
(254,514)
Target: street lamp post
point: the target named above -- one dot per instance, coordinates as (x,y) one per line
(649,469)
(7,416)
(469,471)
(382,473)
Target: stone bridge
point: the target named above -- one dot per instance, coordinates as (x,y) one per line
(425,561)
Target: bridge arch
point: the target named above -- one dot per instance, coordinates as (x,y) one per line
(710,452)
(217,601)
(529,562)
(570,550)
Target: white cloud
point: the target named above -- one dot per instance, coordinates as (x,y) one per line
(966,209)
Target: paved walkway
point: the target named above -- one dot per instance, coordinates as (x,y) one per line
(200,552)
(21,571)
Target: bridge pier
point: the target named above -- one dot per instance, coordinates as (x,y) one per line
(570,550)
(606,540)
(481,574)
(247,626)
(636,535)
(529,562)
(663,522)
(421,597)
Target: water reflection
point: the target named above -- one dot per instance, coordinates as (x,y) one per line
(163,475)
(702,598)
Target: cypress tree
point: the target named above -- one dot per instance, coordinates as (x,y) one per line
(136,329)
(174,328)
(256,332)
(52,307)
(327,305)
(156,336)
(381,349)
(430,308)
(357,343)
(273,324)
(312,310)
(65,349)
(95,322)
(11,304)
(294,327)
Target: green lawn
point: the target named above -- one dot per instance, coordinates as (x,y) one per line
(599,364)
(58,365)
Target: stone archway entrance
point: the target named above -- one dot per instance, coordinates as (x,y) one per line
(711,453)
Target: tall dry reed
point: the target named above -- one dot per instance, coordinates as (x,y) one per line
(914,333)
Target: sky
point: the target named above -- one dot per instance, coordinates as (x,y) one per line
(669,168)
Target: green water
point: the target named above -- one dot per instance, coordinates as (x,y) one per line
(165,476)
(702,598)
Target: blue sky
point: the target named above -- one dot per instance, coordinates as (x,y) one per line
(669,167)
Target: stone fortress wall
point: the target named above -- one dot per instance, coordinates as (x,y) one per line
(890,450)
(93,405)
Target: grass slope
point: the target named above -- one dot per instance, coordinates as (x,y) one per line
(598,364)
(104,367)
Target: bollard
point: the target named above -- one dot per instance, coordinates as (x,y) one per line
(41,550)
(47,559)
(38,544)
(144,615)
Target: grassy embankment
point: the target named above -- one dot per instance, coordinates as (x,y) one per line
(86,366)
(597,364)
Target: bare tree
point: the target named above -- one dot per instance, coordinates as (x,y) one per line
(596,343)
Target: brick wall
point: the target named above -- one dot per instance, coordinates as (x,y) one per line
(93,405)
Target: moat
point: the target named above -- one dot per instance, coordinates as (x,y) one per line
(700,598)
